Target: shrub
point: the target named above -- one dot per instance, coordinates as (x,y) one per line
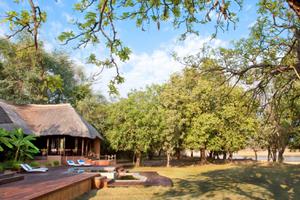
(12,165)
(55,163)
(1,168)
(48,164)
(35,164)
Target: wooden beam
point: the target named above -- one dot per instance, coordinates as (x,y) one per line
(47,146)
(82,146)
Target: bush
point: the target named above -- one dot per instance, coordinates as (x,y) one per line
(12,165)
(1,168)
(48,164)
(55,163)
(35,164)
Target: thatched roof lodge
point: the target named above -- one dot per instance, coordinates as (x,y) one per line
(60,129)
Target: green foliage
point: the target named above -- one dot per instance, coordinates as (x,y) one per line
(135,123)
(55,163)
(11,165)
(48,164)
(4,139)
(94,110)
(35,164)
(213,115)
(23,146)
(52,78)
(193,110)
(1,168)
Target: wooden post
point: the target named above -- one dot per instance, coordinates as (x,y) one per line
(47,146)
(64,145)
(86,147)
(96,147)
(82,146)
(76,145)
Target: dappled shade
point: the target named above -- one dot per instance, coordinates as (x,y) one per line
(247,182)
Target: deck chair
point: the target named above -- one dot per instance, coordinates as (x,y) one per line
(27,168)
(83,163)
(34,168)
(72,163)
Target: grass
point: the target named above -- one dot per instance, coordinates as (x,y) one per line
(215,182)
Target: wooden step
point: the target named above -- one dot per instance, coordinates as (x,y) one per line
(10,179)
(6,175)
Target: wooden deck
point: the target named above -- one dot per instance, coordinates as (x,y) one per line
(57,182)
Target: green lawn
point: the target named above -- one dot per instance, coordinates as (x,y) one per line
(215,182)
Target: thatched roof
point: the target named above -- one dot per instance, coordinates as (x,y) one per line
(10,120)
(44,120)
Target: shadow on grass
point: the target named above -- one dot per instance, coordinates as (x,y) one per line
(252,182)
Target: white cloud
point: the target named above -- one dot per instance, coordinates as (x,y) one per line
(152,68)
(48,46)
(3,31)
(251,24)
(68,17)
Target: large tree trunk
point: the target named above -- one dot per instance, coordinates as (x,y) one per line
(168,159)
(230,156)
(280,155)
(178,156)
(295,5)
(269,154)
(255,154)
(274,151)
(224,155)
(211,154)
(138,159)
(202,156)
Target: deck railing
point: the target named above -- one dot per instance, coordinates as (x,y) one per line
(109,157)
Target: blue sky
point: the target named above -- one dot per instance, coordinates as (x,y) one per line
(150,61)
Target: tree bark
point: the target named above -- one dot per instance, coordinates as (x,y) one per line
(274,158)
(138,159)
(255,154)
(224,155)
(211,154)
(178,154)
(202,156)
(269,154)
(280,155)
(295,5)
(168,159)
(230,156)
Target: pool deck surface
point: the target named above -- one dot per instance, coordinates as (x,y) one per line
(35,185)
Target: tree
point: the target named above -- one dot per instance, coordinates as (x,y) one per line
(23,146)
(94,110)
(53,79)
(134,123)
(211,115)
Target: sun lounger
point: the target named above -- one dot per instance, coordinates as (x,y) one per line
(28,168)
(72,163)
(33,168)
(82,163)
